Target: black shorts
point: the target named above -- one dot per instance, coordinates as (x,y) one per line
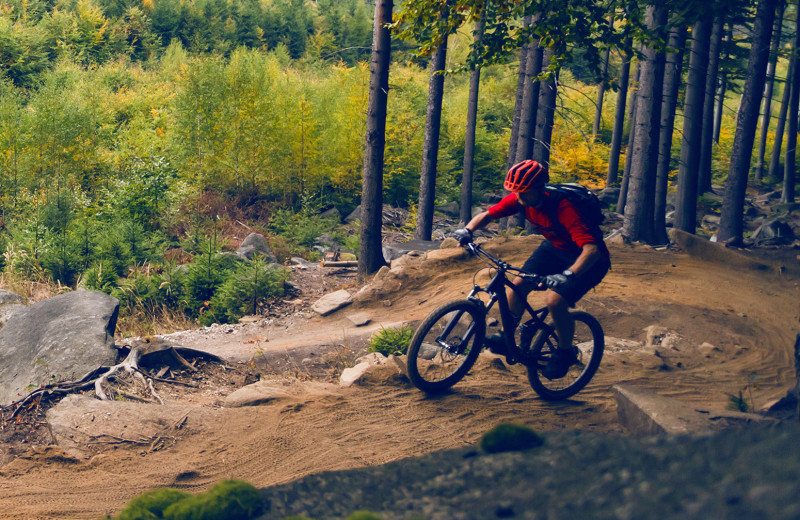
(548,259)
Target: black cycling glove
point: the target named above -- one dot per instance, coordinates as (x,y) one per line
(554,281)
(463,235)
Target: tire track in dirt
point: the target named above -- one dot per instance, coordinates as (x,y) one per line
(322,428)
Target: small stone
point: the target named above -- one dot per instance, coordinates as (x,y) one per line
(387,303)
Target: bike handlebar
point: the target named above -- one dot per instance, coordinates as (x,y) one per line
(476,250)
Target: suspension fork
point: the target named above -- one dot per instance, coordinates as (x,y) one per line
(440,340)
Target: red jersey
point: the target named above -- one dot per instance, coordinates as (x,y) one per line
(557,219)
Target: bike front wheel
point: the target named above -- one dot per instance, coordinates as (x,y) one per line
(590,342)
(446,345)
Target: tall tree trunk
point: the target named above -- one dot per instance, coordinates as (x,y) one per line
(626,171)
(777,144)
(669,103)
(787,194)
(601,87)
(723,84)
(530,103)
(686,211)
(766,104)
(518,101)
(639,223)
(619,120)
(546,114)
(730,227)
(707,138)
(430,146)
(370,257)
(469,139)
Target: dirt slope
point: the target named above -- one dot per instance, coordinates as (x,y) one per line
(749,317)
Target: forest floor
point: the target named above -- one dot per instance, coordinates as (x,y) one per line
(732,330)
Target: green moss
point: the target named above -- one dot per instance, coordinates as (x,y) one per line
(228,500)
(364,515)
(151,505)
(510,437)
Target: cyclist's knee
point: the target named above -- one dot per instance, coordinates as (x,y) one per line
(553,300)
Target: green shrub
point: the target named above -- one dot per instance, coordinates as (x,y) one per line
(100,278)
(510,437)
(151,505)
(245,290)
(392,341)
(228,500)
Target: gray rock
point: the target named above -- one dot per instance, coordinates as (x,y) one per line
(332,213)
(608,196)
(332,302)
(63,338)
(255,244)
(7,297)
(393,251)
(354,215)
(8,310)
(451,209)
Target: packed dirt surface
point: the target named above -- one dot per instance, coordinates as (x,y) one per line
(731,329)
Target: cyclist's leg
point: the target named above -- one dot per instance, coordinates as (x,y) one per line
(562,319)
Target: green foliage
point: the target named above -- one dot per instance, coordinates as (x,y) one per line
(245,290)
(510,437)
(228,500)
(151,505)
(391,341)
(301,228)
(738,402)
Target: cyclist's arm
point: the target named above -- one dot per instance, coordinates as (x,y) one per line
(590,254)
(478,221)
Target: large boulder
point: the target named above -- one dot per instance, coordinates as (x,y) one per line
(60,338)
(255,244)
(7,297)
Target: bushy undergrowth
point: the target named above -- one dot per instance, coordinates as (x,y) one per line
(391,341)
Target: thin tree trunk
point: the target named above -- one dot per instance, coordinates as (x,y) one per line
(546,114)
(469,139)
(370,257)
(787,195)
(775,159)
(766,104)
(723,85)
(707,138)
(430,147)
(639,222)
(731,225)
(601,87)
(632,114)
(523,64)
(669,103)
(686,212)
(619,120)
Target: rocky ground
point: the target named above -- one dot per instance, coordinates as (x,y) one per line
(726,327)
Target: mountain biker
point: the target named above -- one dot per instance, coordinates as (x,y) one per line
(573,258)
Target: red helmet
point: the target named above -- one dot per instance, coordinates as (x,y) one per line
(525,176)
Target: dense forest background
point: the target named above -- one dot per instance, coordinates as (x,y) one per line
(130,130)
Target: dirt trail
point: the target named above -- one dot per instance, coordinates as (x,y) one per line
(750,318)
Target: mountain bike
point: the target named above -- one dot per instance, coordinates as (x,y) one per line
(447,343)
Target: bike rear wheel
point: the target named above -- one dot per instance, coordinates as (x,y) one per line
(446,345)
(590,341)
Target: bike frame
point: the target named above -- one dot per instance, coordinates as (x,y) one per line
(496,289)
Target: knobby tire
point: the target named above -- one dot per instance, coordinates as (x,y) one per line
(434,368)
(591,345)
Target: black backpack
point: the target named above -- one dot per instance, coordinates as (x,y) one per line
(583,198)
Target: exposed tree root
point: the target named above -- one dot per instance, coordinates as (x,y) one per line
(103,375)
